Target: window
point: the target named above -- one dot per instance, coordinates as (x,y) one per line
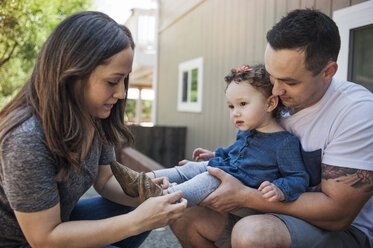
(360,62)
(139,106)
(190,86)
(355,58)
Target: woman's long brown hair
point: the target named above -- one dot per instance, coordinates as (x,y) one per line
(73,50)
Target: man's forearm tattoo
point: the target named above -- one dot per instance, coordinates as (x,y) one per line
(357,178)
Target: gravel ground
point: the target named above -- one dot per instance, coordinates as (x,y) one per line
(158,238)
(161,238)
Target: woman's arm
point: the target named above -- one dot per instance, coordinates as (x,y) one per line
(45,229)
(108,187)
(344,193)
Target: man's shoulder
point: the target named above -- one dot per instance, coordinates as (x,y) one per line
(351,101)
(351,92)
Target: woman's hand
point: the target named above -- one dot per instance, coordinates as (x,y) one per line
(183,162)
(162,181)
(160,211)
(229,196)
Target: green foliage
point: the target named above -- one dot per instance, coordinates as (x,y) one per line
(194,86)
(147,109)
(130,114)
(130,110)
(25,25)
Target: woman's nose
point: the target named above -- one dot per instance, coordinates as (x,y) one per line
(119,92)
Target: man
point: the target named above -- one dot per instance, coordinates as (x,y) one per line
(334,122)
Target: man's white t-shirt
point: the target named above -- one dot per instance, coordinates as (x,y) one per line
(341,125)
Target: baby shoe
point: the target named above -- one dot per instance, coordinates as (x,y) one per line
(133,183)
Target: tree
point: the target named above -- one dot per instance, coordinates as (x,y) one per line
(25,25)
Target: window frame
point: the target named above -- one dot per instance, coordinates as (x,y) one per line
(349,18)
(188,66)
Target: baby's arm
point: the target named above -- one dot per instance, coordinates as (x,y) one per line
(271,192)
(200,153)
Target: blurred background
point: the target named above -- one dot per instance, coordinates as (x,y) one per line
(25,25)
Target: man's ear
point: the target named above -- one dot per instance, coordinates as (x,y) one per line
(272,103)
(329,71)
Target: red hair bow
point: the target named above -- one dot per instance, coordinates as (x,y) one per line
(244,68)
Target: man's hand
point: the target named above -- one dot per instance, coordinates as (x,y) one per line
(229,195)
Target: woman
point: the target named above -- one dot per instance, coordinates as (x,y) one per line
(57,137)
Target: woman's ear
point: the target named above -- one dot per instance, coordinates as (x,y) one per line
(272,103)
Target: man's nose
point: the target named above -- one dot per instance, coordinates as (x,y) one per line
(278,89)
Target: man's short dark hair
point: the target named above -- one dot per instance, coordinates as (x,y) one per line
(311,31)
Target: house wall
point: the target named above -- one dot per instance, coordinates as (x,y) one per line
(226,34)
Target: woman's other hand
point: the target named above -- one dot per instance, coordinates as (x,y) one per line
(162,181)
(160,211)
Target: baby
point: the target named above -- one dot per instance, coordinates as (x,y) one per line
(264,155)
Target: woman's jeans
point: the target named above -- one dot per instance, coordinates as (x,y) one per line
(97,208)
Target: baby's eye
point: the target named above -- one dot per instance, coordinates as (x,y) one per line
(243,103)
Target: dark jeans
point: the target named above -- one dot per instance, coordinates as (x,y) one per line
(97,208)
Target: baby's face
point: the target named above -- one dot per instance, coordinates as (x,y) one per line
(247,106)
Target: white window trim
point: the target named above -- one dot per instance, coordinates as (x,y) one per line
(346,19)
(188,66)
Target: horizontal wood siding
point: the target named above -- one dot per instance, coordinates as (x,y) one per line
(226,34)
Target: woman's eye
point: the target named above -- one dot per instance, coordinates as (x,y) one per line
(230,106)
(243,103)
(113,83)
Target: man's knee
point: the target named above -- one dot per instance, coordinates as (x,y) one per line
(198,227)
(187,226)
(260,231)
(181,226)
(247,233)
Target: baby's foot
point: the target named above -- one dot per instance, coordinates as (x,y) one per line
(133,183)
